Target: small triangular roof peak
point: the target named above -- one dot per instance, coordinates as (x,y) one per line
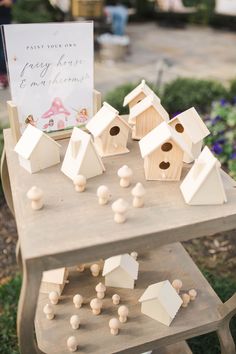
(166,294)
(193,124)
(56,276)
(150,101)
(158,136)
(29,140)
(125,261)
(142,87)
(102,119)
(203,166)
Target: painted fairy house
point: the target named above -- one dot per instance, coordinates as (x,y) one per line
(110,131)
(36,150)
(137,94)
(56,116)
(121,271)
(81,156)
(162,150)
(146,115)
(192,129)
(161,302)
(203,184)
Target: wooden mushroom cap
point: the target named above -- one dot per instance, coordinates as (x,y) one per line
(114,323)
(123,311)
(100,287)
(78,299)
(95,268)
(48,309)
(72,342)
(75,320)
(134,255)
(116,297)
(186,299)
(177,283)
(138,190)
(120,206)
(80,180)
(192,293)
(103,192)
(53,296)
(96,304)
(125,172)
(34,193)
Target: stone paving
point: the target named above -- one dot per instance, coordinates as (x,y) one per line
(190,52)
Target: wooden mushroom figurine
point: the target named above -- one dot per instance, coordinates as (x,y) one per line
(80,268)
(192,293)
(78,301)
(125,173)
(103,194)
(96,306)
(48,310)
(186,299)
(53,297)
(116,299)
(114,325)
(138,192)
(123,312)
(134,255)
(120,207)
(35,195)
(80,183)
(100,289)
(95,269)
(72,344)
(75,321)
(177,285)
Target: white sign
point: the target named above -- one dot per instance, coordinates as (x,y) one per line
(226,7)
(51,73)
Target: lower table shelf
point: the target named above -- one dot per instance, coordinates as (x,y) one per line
(140,333)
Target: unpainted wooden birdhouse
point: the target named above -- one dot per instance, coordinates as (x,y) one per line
(81,157)
(54,280)
(203,184)
(146,115)
(162,150)
(137,94)
(36,150)
(161,302)
(192,129)
(110,131)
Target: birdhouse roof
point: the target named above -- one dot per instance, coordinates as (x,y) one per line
(165,294)
(150,101)
(29,140)
(56,276)
(193,124)
(85,141)
(125,261)
(102,119)
(142,87)
(203,166)
(158,136)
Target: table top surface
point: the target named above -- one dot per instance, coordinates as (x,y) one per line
(140,333)
(75,222)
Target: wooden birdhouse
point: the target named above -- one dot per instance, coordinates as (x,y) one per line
(146,115)
(110,131)
(162,150)
(121,271)
(137,94)
(203,184)
(81,157)
(36,150)
(192,129)
(161,302)
(54,280)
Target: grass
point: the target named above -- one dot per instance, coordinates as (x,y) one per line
(9,294)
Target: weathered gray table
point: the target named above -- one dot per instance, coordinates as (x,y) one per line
(72,228)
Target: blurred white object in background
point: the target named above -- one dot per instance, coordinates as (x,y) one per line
(226,7)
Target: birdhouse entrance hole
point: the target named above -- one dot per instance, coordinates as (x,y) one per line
(166,147)
(179,128)
(164,165)
(114,130)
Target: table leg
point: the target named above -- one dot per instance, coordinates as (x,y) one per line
(18,256)
(227,310)
(26,309)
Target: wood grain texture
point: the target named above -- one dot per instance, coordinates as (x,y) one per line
(145,122)
(140,333)
(72,227)
(14,121)
(177,348)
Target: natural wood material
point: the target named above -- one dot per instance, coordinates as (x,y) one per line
(14,121)
(141,333)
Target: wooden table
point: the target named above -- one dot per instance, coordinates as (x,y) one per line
(72,228)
